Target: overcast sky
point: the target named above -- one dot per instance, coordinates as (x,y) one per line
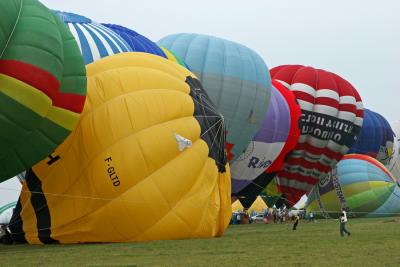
(357,39)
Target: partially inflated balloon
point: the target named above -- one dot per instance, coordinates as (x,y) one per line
(234,76)
(361,185)
(331,119)
(376,138)
(136,41)
(95,40)
(266,144)
(249,193)
(42,84)
(146,162)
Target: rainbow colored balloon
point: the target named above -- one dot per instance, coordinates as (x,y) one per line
(360,184)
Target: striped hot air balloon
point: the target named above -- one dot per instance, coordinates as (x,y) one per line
(331,119)
(94,39)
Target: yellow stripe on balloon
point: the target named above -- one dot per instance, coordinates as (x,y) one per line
(28,216)
(169,55)
(37,101)
(25,94)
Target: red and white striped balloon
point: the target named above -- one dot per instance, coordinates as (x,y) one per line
(332,115)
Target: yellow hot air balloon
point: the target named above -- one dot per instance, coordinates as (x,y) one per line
(145,162)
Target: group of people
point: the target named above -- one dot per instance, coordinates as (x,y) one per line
(282,215)
(342,221)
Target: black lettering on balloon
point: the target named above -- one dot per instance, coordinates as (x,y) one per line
(111,172)
(326,127)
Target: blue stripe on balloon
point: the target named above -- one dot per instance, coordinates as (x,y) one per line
(86,52)
(122,45)
(99,44)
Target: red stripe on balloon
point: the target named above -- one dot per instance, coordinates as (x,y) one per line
(319,151)
(298,177)
(327,102)
(44,82)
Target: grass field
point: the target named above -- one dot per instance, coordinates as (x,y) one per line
(374,242)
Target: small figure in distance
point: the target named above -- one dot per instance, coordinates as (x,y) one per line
(311,216)
(342,221)
(296,221)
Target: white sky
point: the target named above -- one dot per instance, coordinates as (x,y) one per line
(357,39)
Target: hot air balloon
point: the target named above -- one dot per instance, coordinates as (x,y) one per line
(249,193)
(95,41)
(265,146)
(234,76)
(361,185)
(376,138)
(42,84)
(331,119)
(136,42)
(145,162)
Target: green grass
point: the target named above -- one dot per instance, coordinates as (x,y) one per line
(374,242)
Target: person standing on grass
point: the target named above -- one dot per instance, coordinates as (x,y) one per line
(311,217)
(296,221)
(343,221)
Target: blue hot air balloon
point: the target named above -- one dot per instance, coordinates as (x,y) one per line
(136,41)
(376,138)
(235,77)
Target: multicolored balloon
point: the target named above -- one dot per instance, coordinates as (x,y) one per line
(332,115)
(249,193)
(234,76)
(360,184)
(146,153)
(376,138)
(265,146)
(42,84)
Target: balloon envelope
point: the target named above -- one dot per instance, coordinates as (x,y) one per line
(249,193)
(42,84)
(136,41)
(234,76)
(331,118)
(265,146)
(361,185)
(376,138)
(146,153)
